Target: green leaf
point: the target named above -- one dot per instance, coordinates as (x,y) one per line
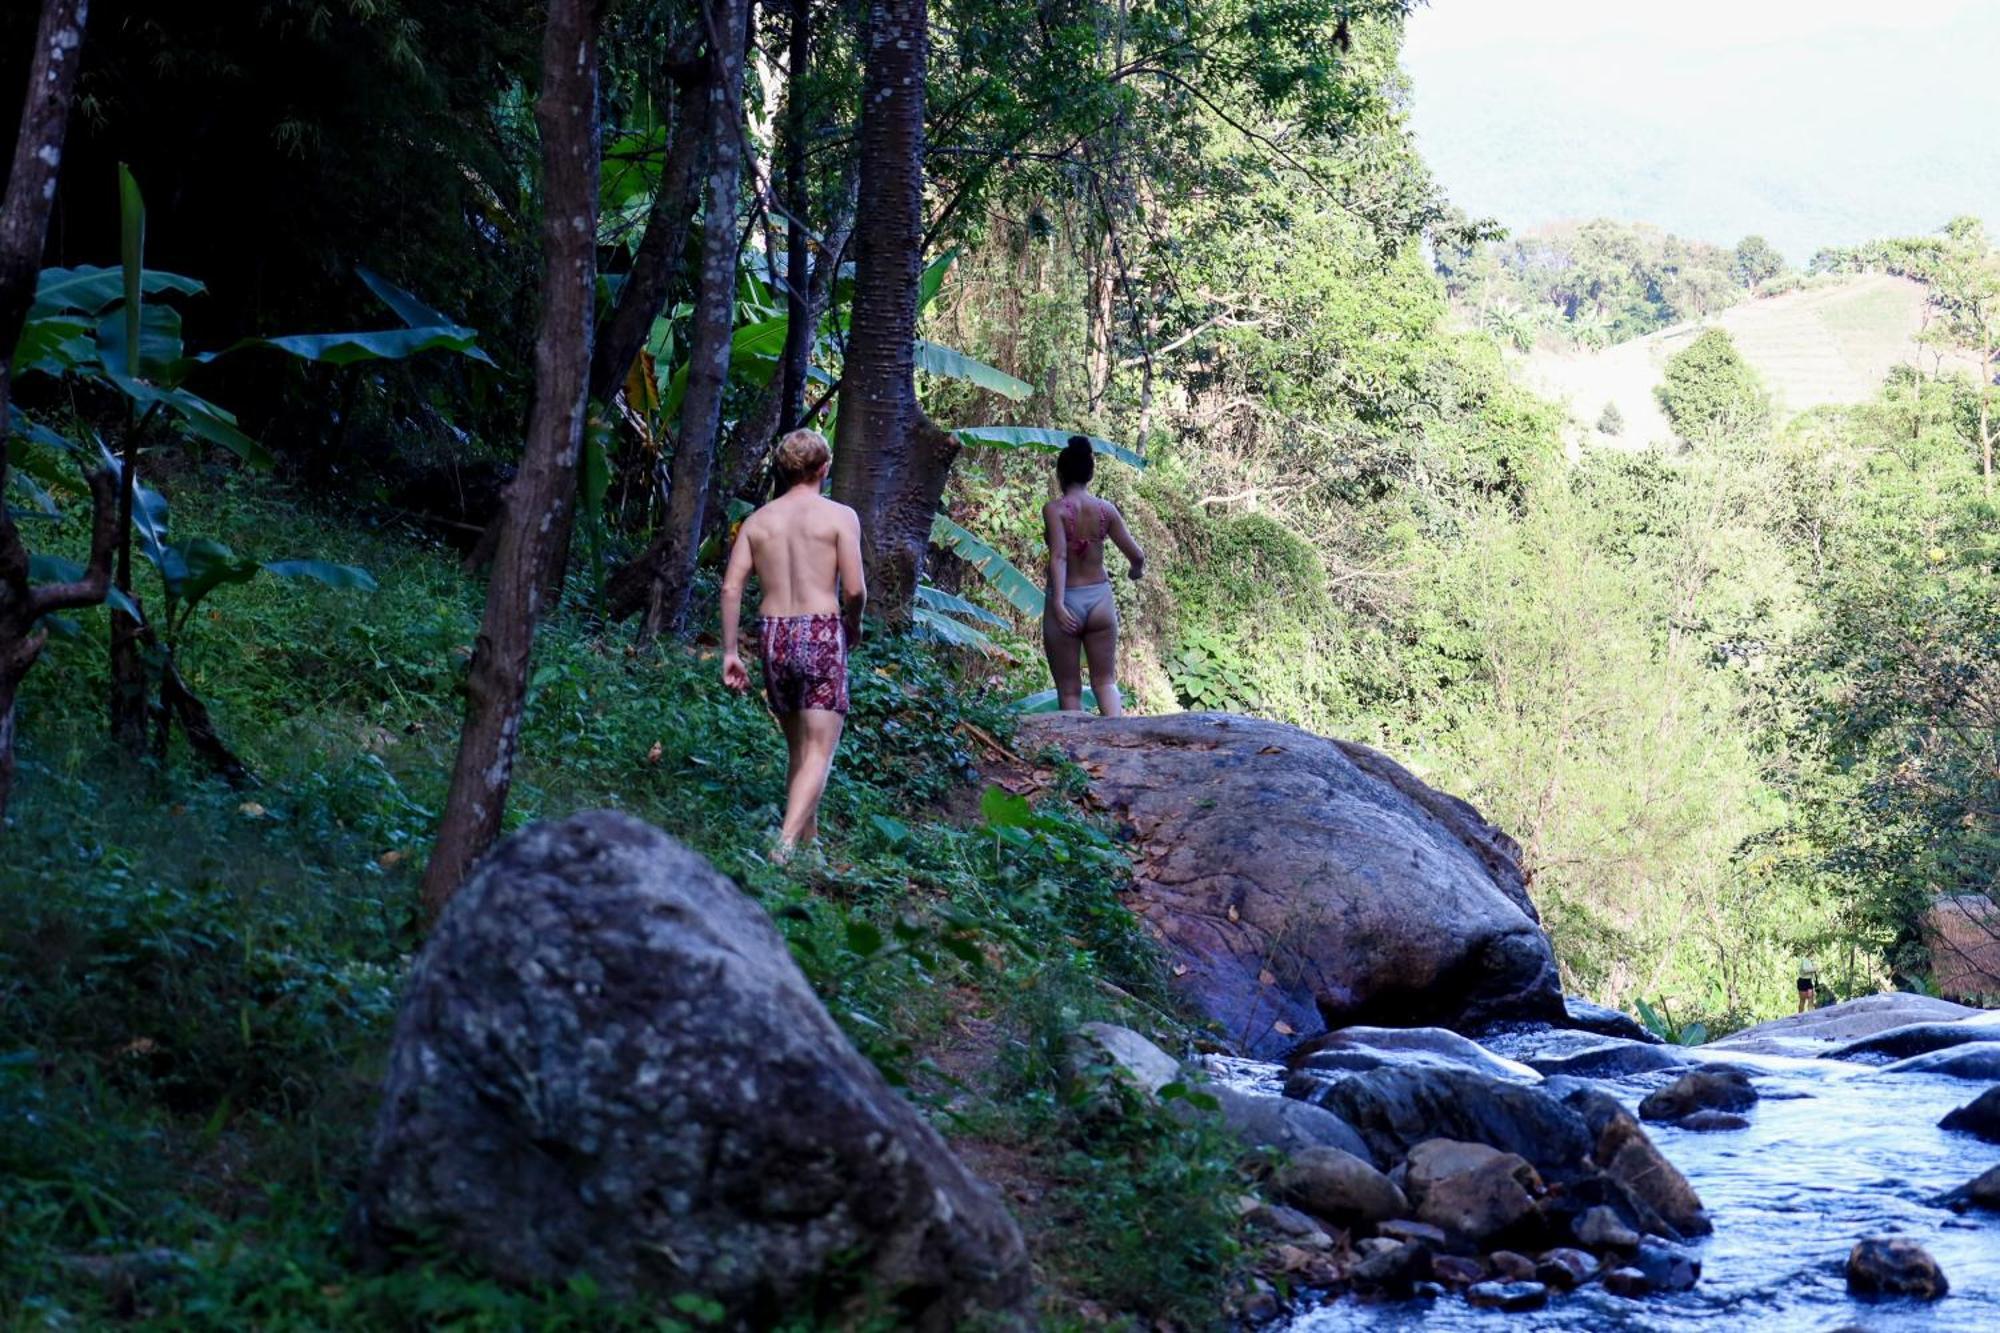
(1040,437)
(1022,593)
(91,288)
(408,308)
(943,629)
(160,344)
(202,566)
(323,571)
(937,599)
(1001,808)
(346,349)
(50,344)
(864,938)
(894,830)
(937,359)
(754,350)
(931,281)
(132,254)
(215,424)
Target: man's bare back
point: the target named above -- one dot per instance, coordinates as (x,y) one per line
(804,549)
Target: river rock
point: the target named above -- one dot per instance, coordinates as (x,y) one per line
(1301,883)
(1712,1122)
(1617,1059)
(1395,1109)
(1703,1090)
(1565,1269)
(1394,1269)
(1457,1270)
(1915,1039)
(1977,1060)
(1098,1050)
(1664,1202)
(1469,1189)
(607,1063)
(1980,1117)
(1818,1030)
(1627,1282)
(1409,1229)
(1289,1223)
(1600,1228)
(1338,1186)
(1892,1266)
(1510,1266)
(1667,1267)
(1282,1124)
(1982,1192)
(1434,1047)
(1507,1295)
(1584,1016)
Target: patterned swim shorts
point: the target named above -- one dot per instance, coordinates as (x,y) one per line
(805,663)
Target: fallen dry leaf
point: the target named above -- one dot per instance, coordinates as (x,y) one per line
(389,860)
(1272,749)
(1266,978)
(1283,1029)
(1233,914)
(653,755)
(251,810)
(1180,969)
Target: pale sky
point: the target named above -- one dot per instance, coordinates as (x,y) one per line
(1811,121)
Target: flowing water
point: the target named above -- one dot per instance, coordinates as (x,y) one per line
(1835,1152)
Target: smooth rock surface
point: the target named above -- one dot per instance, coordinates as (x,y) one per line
(1981,1192)
(1395,1109)
(607,1062)
(1362,893)
(1513,1296)
(1585,1016)
(1339,1187)
(1818,1030)
(1099,1047)
(1712,1122)
(1917,1039)
(1702,1090)
(1469,1189)
(1284,1124)
(1437,1047)
(1613,1060)
(1980,1117)
(1891,1266)
(1977,1060)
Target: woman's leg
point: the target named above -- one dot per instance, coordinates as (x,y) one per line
(1065,665)
(1100,643)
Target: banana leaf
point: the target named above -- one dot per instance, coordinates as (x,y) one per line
(937,599)
(1021,592)
(1041,437)
(937,359)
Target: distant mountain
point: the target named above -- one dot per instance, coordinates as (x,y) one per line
(1830,139)
(1832,343)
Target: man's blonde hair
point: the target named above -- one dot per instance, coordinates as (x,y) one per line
(800,454)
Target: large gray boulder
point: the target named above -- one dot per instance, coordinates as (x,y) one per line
(1817,1031)
(1301,883)
(607,1063)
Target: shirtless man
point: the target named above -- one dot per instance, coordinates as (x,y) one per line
(806,553)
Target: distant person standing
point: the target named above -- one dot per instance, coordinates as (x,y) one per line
(1079,618)
(1808,985)
(806,552)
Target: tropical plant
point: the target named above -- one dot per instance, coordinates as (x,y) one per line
(1208,673)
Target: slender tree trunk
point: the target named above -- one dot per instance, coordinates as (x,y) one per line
(24,228)
(1985,421)
(129,689)
(714,320)
(892,461)
(800,325)
(545,487)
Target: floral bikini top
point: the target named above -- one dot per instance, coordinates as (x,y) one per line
(1078,545)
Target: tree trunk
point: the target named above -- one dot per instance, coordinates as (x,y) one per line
(545,487)
(24,228)
(714,321)
(800,326)
(656,264)
(748,445)
(892,462)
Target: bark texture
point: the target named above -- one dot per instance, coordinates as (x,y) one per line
(607,1062)
(544,489)
(714,321)
(892,461)
(24,228)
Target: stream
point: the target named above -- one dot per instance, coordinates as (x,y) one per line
(1835,1152)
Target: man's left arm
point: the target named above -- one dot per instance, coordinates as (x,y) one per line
(734,576)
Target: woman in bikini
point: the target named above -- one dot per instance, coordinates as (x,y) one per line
(1079,618)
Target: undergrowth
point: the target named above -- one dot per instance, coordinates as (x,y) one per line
(197,983)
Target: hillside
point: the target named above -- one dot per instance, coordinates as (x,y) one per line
(1824,345)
